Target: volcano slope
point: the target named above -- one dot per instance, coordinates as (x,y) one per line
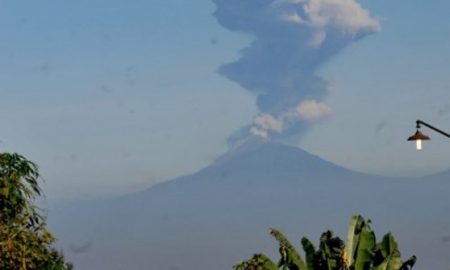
(222,214)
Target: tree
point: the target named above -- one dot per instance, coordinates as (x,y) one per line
(25,241)
(360,253)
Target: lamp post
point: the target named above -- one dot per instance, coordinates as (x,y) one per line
(418,136)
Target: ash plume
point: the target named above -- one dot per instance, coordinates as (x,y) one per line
(292,39)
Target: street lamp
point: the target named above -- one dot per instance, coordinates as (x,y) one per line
(418,136)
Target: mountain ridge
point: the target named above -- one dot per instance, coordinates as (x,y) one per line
(221,214)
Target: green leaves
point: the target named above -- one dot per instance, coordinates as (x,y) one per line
(361,252)
(330,252)
(365,249)
(290,259)
(388,257)
(310,253)
(25,242)
(257,262)
(18,186)
(354,229)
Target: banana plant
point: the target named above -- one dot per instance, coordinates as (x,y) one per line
(360,253)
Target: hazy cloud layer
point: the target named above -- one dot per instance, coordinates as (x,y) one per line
(292,39)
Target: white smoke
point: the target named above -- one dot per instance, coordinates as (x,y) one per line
(269,122)
(307,110)
(346,16)
(311,110)
(265,123)
(292,39)
(259,132)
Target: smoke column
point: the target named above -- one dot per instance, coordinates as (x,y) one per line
(292,39)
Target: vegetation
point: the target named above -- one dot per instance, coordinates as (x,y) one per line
(360,253)
(25,241)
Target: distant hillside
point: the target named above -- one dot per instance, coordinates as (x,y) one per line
(222,214)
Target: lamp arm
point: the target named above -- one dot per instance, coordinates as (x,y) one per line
(420,122)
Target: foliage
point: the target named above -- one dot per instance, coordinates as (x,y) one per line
(360,253)
(25,242)
(257,262)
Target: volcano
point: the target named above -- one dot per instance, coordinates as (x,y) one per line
(222,214)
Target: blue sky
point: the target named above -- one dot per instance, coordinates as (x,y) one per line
(110,97)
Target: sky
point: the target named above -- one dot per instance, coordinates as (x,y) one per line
(110,97)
